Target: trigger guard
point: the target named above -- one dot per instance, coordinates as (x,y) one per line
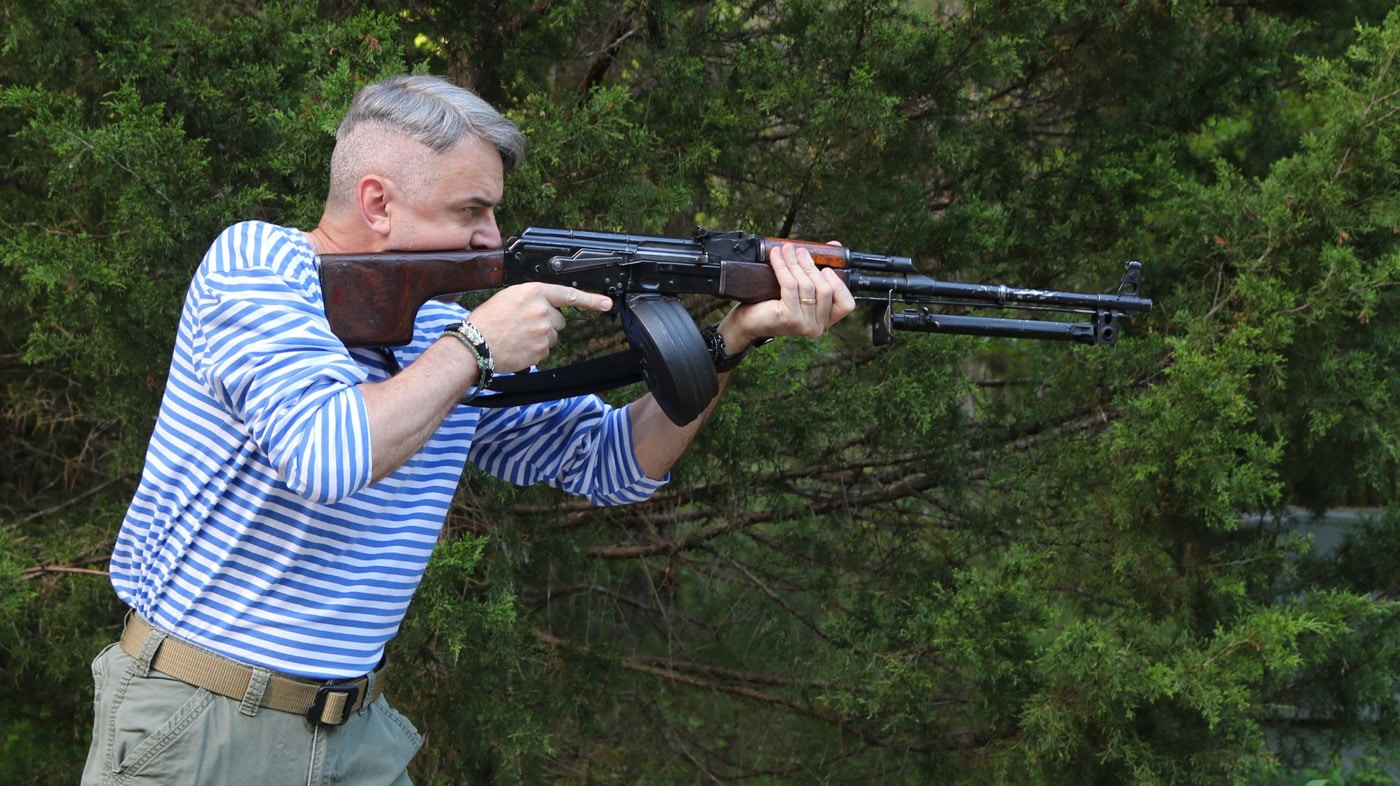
(676,363)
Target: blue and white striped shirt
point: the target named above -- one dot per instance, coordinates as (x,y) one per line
(255,531)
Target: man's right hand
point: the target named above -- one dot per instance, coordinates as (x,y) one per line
(521,323)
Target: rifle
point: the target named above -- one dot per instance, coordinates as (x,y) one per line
(373,300)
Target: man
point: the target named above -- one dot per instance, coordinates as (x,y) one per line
(294,488)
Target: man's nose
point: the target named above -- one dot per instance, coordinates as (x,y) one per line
(487,235)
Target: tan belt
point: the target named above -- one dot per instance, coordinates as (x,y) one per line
(321,703)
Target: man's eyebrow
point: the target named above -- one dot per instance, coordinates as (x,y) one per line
(480,201)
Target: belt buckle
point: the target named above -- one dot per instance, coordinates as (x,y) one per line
(316,713)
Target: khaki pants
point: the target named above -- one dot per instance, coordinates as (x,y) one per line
(149,728)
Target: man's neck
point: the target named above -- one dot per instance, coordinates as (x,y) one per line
(327,238)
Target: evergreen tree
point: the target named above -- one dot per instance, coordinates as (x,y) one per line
(951,559)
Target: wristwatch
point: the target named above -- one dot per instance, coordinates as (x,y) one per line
(467,333)
(723,360)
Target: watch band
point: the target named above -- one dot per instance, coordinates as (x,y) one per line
(723,360)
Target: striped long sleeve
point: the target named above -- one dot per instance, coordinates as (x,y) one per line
(255,531)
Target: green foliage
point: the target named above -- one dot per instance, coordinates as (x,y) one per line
(951,560)
(133,134)
(1348,770)
(591,165)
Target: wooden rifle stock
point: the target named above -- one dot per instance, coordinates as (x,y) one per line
(373,299)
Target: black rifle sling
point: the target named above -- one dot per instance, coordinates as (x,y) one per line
(576,379)
(666,351)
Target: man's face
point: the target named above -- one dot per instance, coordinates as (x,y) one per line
(453,206)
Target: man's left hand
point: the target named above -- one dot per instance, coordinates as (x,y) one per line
(812,299)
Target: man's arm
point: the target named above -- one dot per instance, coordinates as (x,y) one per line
(521,325)
(812,300)
(405,409)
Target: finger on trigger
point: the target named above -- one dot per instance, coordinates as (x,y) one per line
(561,296)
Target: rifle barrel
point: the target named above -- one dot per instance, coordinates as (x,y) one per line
(916,287)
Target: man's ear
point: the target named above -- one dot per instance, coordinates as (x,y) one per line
(374,193)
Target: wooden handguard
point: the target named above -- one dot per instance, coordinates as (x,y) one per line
(755,282)
(823,254)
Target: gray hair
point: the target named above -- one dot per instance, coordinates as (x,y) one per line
(425,108)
